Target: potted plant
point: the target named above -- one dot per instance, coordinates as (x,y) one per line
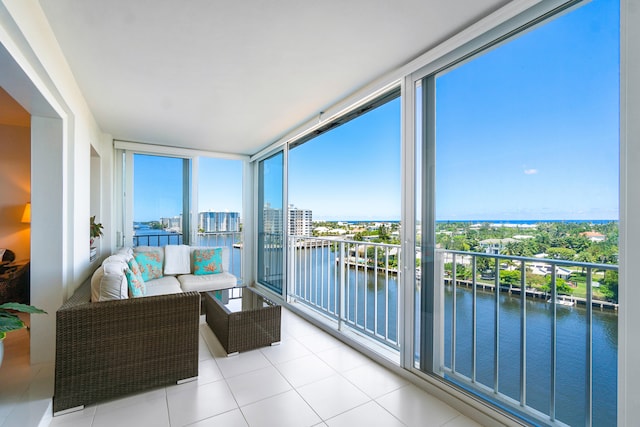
(9,320)
(95,229)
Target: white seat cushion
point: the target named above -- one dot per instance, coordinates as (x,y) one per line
(163,286)
(207,282)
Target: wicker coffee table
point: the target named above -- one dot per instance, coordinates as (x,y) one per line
(243,323)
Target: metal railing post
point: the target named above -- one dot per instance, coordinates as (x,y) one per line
(341,294)
(554,319)
(496,330)
(589,352)
(474,321)
(454,311)
(523,335)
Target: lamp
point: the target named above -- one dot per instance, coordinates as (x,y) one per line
(26,215)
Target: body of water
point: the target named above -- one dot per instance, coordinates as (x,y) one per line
(571,330)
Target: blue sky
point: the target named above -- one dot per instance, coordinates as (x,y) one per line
(530,129)
(527,130)
(220,185)
(352,172)
(158,186)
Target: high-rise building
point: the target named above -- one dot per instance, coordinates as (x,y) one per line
(300,221)
(173,223)
(272,220)
(211,222)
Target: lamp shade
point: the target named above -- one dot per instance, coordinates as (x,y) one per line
(26,215)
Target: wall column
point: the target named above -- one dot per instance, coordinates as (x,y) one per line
(48,226)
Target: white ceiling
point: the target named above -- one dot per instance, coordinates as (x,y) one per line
(234,76)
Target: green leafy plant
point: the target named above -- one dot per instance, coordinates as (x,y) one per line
(95,228)
(9,321)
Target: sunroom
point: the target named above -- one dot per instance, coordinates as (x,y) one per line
(440,114)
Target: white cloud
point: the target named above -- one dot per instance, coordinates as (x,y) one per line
(530,171)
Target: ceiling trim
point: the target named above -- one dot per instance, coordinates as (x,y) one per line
(140,147)
(324,117)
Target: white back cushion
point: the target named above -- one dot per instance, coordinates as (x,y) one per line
(177,259)
(109,282)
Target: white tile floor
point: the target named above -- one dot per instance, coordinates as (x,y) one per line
(310,379)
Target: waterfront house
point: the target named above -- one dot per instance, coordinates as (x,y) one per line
(495,246)
(545,269)
(594,236)
(85,85)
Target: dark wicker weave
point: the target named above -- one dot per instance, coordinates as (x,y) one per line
(113,348)
(14,283)
(246,329)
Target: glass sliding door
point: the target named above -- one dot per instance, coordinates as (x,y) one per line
(219,208)
(346,175)
(160,200)
(271,237)
(520,149)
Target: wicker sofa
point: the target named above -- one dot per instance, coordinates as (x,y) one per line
(110,344)
(113,348)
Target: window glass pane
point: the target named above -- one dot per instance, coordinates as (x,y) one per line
(270,222)
(219,219)
(526,190)
(158,200)
(351,172)
(347,180)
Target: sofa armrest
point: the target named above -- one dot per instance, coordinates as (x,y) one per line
(113,348)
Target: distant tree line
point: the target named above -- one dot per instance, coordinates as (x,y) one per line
(558,240)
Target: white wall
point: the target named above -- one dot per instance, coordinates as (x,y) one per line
(34,72)
(48,261)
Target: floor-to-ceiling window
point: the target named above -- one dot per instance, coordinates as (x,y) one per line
(517,297)
(160,200)
(183,197)
(218,215)
(515,199)
(344,218)
(271,222)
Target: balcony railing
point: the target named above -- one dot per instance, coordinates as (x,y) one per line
(157,239)
(501,337)
(352,282)
(578,326)
(271,260)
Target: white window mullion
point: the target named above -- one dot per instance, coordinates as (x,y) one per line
(127,226)
(193,211)
(407,283)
